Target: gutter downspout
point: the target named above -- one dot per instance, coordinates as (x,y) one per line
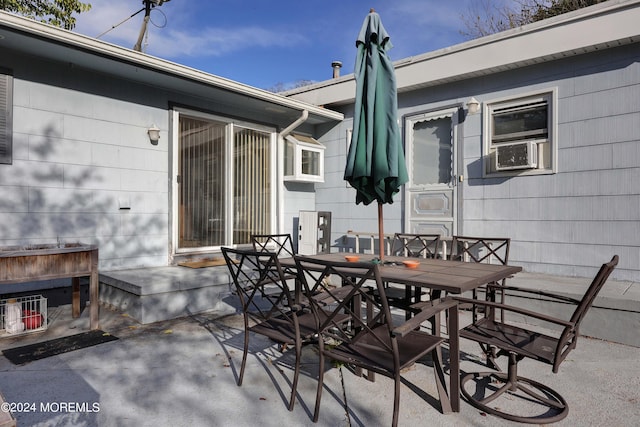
(283,133)
(303,118)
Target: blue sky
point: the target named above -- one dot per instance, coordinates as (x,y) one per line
(264,43)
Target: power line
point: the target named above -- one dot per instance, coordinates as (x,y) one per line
(120,23)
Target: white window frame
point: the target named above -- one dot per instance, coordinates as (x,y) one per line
(300,145)
(176,112)
(547,147)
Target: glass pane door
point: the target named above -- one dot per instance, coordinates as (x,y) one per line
(431,191)
(432,152)
(225,183)
(203,180)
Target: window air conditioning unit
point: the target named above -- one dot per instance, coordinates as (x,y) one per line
(521,155)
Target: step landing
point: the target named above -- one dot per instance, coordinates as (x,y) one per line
(155,294)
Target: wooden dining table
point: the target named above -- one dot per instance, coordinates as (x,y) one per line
(438,275)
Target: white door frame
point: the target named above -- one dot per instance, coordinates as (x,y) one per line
(431,208)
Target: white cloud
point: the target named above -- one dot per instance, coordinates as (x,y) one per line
(216,41)
(180,36)
(107,14)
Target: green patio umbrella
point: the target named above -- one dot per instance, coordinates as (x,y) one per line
(375,165)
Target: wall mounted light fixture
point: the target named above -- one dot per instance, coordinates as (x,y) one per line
(154,134)
(473,105)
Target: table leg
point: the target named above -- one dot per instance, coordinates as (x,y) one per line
(94,304)
(436,322)
(371,376)
(454,359)
(75,297)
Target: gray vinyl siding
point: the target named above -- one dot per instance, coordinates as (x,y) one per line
(570,222)
(81,151)
(567,223)
(336,196)
(80,147)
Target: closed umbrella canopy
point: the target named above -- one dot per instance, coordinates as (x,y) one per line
(375,165)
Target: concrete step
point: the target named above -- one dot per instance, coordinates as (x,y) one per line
(161,293)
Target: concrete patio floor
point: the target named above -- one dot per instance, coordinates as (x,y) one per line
(183,372)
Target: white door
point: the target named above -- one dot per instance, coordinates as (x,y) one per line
(430,198)
(308,233)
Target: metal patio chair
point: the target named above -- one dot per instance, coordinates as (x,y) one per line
(416,245)
(370,340)
(499,338)
(268,306)
(487,250)
(411,246)
(281,244)
(490,250)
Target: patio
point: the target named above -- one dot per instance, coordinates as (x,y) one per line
(184,371)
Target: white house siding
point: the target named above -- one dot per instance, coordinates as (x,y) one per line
(570,222)
(567,223)
(80,150)
(337,197)
(81,153)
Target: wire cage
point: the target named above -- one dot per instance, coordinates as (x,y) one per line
(23,315)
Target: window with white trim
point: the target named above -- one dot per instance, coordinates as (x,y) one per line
(519,134)
(303,159)
(6,117)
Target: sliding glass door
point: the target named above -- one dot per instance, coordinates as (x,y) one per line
(224,183)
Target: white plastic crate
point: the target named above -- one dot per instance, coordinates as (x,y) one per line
(33,315)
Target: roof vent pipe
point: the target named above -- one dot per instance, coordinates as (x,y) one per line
(336,65)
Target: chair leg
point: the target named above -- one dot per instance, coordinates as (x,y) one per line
(396,399)
(244,354)
(316,412)
(490,354)
(296,374)
(511,383)
(438,372)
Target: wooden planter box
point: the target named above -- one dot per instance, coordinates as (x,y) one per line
(20,264)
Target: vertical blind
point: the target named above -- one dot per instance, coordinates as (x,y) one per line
(206,190)
(203,181)
(252,188)
(6,109)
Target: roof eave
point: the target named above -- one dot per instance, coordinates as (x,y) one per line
(91,46)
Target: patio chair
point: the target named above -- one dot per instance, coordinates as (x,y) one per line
(371,340)
(517,343)
(267,305)
(281,244)
(414,246)
(490,250)
(487,250)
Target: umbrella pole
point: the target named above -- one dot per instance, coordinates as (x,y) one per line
(380,231)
